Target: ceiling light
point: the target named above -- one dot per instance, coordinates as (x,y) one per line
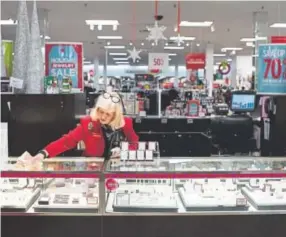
(130,43)
(253,39)
(46,37)
(109,37)
(172,54)
(91,27)
(166,44)
(122,62)
(102,22)
(108,43)
(87,62)
(153,44)
(198,45)
(229,60)
(219,55)
(196,24)
(278,25)
(8,22)
(183,38)
(99,27)
(250,44)
(118,54)
(115,47)
(114,27)
(174,47)
(120,59)
(142,44)
(187,44)
(230,49)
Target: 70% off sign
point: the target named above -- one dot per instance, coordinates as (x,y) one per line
(271,75)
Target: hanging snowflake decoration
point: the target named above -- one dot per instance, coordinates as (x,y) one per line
(156,33)
(179,40)
(134,54)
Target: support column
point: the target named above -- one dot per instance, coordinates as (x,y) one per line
(209,68)
(233,72)
(176,80)
(260,29)
(105,69)
(96,74)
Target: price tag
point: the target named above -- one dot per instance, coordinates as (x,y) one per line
(271,69)
(158,61)
(16,83)
(241,202)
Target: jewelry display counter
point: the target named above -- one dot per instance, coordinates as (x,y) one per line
(204,197)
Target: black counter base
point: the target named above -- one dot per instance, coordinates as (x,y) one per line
(145,226)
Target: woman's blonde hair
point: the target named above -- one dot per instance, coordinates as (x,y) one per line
(107,103)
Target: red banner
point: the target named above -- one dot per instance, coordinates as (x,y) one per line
(195,61)
(278,39)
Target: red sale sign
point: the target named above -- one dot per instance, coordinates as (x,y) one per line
(278,39)
(158,62)
(195,61)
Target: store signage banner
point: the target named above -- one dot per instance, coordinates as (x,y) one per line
(278,39)
(271,73)
(158,61)
(7,50)
(195,61)
(63,59)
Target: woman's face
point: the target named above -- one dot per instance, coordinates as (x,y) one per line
(105,117)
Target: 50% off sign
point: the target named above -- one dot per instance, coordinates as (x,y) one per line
(158,61)
(271,75)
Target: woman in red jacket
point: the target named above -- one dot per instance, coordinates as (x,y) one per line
(101,132)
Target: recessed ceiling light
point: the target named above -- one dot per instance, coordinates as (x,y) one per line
(187,44)
(46,37)
(229,60)
(118,54)
(183,38)
(108,43)
(130,43)
(166,44)
(198,45)
(152,44)
(8,22)
(196,24)
(109,37)
(174,47)
(250,44)
(230,49)
(115,47)
(278,25)
(142,44)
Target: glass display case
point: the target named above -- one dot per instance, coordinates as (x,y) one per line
(58,185)
(244,185)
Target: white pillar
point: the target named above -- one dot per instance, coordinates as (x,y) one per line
(105,68)
(233,72)
(96,74)
(209,68)
(176,83)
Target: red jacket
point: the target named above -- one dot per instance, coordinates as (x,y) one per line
(90,133)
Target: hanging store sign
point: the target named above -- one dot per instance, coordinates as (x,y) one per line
(158,62)
(62,60)
(278,39)
(195,61)
(271,71)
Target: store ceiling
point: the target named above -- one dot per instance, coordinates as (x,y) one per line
(232,21)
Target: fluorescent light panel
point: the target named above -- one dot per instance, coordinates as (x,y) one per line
(230,49)
(183,38)
(120,59)
(196,24)
(252,39)
(8,22)
(115,47)
(173,47)
(278,25)
(87,62)
(118,54)
(46,37)
(172,54)
(219,55)
(102,22)
(122,62)
(109,37)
